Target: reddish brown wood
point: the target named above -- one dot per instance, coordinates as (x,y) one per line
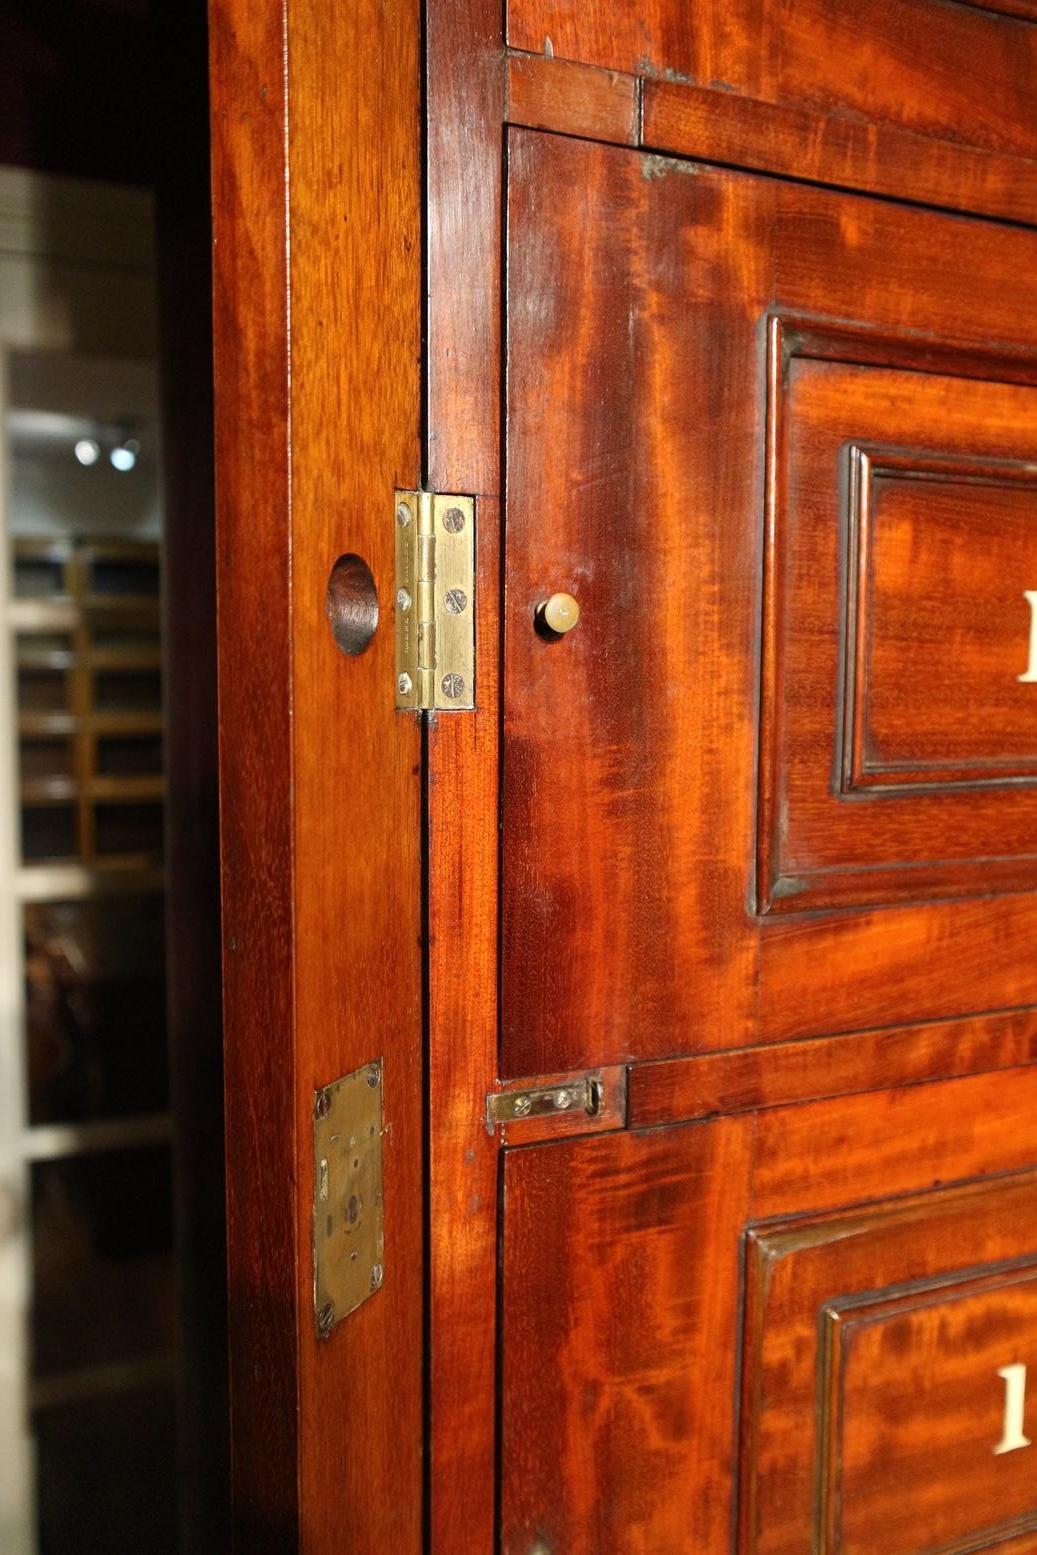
(321,780)
(573,99)
(630,745)
(949,71)
(620,1275)
(251,356)
(929,1294)
(463,1160)
(836,149)
(677,1090)
(465,111)
(621,1255)
(875,1146)
(911,604)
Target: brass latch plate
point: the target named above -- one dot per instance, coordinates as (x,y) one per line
(435,601)
(584,1094)
(348,1212)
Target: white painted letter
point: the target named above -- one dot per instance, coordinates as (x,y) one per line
(1015,1403)
(1030,595)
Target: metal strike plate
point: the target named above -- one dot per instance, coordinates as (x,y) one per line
(435,601)
(348,1212)
(582,1095)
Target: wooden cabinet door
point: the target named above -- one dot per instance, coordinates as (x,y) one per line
(768,853)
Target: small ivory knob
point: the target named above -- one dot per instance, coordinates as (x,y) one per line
(559,614)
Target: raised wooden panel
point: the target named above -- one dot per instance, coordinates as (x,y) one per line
(828,1294)
(959,73)
(645,477)
(899,743)
(873,1398)
(920,1446)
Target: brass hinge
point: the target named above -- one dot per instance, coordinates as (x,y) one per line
(435,601)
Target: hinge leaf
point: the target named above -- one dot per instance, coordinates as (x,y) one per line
(435,601)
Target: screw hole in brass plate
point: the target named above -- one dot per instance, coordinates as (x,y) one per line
(351,604)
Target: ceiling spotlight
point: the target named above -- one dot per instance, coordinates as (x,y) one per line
(124,455)
(88,450)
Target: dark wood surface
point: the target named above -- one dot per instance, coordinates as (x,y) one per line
(320,780)
(184,233)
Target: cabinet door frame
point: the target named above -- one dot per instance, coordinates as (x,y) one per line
(317,291)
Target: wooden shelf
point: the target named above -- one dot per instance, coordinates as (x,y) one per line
(89,661)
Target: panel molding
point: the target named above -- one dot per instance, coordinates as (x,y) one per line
(859,772)
(780,886)
(843,1321)
(807,1278)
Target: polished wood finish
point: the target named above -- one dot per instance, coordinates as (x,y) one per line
(623,1261)
(617,943)
(573,99)
(464,113)
(953,73)
(720,126)
(682,1089)
(662,382)
(320,780)
(620,1273)
(913,605)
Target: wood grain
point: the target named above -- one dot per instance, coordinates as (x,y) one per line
(251,412)
(678,1090)
(321,780)
(464,115)
(875,1146)
(900,512)
(911,1443)
(970,84)
(630,746)
(573,99)
(618,1399)
(835,148)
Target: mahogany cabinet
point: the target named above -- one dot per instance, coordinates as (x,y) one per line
(631,1088)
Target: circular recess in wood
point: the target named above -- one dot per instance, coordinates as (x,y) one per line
(351,604)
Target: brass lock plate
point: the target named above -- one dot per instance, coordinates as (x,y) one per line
(348,1209)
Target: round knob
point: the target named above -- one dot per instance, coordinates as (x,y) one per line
(559,614)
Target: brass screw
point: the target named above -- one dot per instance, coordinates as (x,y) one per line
(374,1075)
(325,1318)
(456,601)
(322,1106)
(404,684)
(377,1276)
(453,686)
(563,1100)
(403,515)
(523,1106)
(453,521)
